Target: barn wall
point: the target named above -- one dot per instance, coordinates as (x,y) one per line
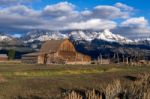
(3,58)
(41,59)
(82,57)
(50,58)
(30,59)
(67,51)
(67,46)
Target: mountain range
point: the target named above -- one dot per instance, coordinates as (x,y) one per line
(5,37)
(87,41)
(75,35)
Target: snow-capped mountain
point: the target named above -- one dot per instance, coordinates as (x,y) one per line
(145,41)
(76,35)
(106,35)
(5,37)
(109,36)
(81,35)
(142,39)
(42,35)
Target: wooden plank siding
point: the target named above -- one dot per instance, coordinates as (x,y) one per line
(60,52)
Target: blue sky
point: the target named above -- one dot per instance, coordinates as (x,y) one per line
(129,18)
(82,4)
(142,6)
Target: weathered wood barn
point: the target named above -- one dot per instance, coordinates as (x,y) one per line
(57,51)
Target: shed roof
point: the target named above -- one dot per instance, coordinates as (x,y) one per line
(3,55)
(32,54)
(51,46)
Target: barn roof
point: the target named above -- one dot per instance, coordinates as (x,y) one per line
(32,54)
(51,46)
(3,55)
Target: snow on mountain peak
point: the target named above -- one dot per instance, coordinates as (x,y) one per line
(142,39)
(76,36)
(80,35)
(107,32)
(43,35)
(105,35)
(109,36)
(4,37)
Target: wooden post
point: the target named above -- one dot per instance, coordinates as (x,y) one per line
(109,58)
(101,58)
(131,60)
(114,56)
(76,58)
(123,58)
(82,58)
(117,58)
(127,60)
(97,61)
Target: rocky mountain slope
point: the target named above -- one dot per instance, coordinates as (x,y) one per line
(77,35)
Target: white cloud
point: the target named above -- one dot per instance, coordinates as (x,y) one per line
(20,10)
(106,12)
(62,6)
(14,18)
(110,12)
(124,6)
(136,27)
(59,11)
(96,24)
(86,13)
(135,22)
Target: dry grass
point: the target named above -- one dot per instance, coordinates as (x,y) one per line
(24,81)
(113,89)
(89,94)
(2,79)
(139,89)
(73,95)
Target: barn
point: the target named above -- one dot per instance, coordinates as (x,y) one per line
(59,52)
(3,57)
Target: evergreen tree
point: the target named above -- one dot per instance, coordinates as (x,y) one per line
(11,54)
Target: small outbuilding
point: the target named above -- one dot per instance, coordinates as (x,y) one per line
(31,58)
(3,57)
(59,52)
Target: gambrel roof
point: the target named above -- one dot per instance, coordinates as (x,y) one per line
(51,46)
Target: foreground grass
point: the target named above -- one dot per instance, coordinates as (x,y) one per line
(49,81)
(25,70)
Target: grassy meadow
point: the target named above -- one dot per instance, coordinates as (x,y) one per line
(24,81)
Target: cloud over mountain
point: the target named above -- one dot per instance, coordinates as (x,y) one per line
(19,17)
(135,27)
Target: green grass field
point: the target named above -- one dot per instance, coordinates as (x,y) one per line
(23,81)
